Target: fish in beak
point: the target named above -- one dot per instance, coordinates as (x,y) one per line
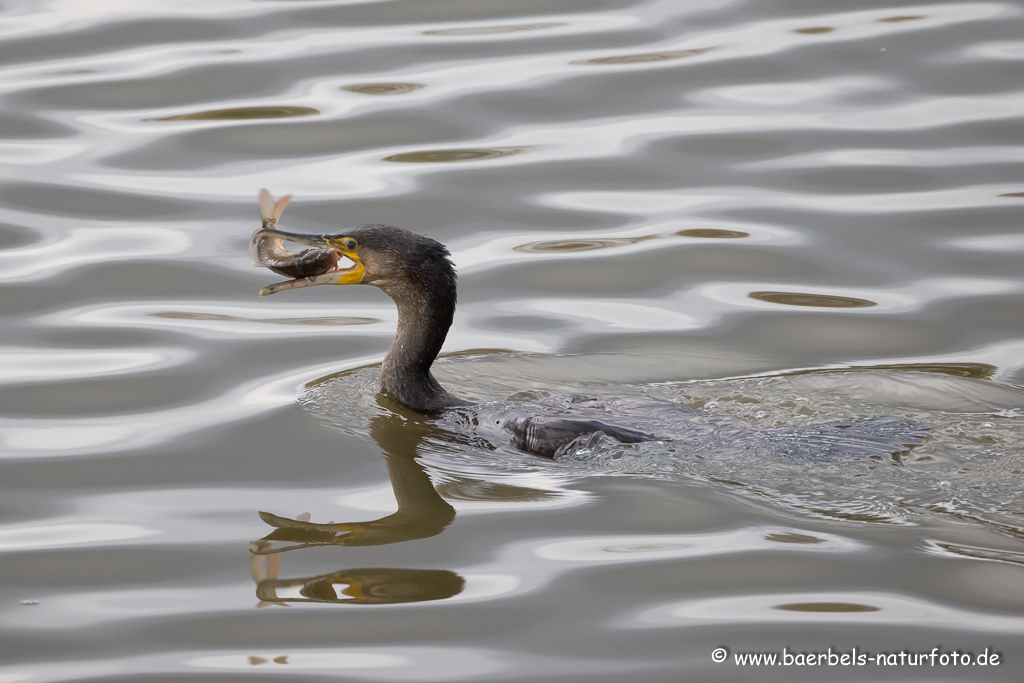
(329,261)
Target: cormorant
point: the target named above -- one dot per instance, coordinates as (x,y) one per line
(416,272)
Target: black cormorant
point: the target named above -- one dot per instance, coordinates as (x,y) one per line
(416,272)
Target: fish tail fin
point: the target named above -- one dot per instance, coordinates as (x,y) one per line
(281,203)
(266,204)
(269,210)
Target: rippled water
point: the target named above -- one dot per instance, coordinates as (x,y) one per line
(785,212)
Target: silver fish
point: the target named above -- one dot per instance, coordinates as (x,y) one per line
(268,252)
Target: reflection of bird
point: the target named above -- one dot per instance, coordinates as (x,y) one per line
(416,273)
(369,586)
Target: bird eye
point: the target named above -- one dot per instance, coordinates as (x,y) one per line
(351,245)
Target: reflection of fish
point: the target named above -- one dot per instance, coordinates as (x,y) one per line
(269,252)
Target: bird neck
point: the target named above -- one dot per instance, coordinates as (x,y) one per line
(424,317)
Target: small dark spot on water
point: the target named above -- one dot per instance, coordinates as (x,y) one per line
(489,30)
(74,72)
(645,57)
(435,156)
(793,538)
(563,246)
(893,20)
(588,244)
(813,30)
(1012,194)
(826,607)
(712,233)
(241,114)
(382,88)
(816,300)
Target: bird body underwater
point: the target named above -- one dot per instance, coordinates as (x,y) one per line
(416,272)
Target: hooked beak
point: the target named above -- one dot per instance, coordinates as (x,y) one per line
(305,240)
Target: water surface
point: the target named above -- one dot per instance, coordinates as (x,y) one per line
(781,211)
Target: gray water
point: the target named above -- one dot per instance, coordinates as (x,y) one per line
(783,212)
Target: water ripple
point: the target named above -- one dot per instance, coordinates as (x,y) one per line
(874,608)
(21,365)
(87,246)
(817,202)
(242,114)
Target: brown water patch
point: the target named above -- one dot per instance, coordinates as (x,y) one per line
(644,57)
(489,30)
(585,244)
(815,30)
(712,233)
(563,246)
(1012,194)
(826,607)
(382,88)
(320,322)
(241,113)
(444,156)
(968,370)
(814,300)
(893,20)
(793,538)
